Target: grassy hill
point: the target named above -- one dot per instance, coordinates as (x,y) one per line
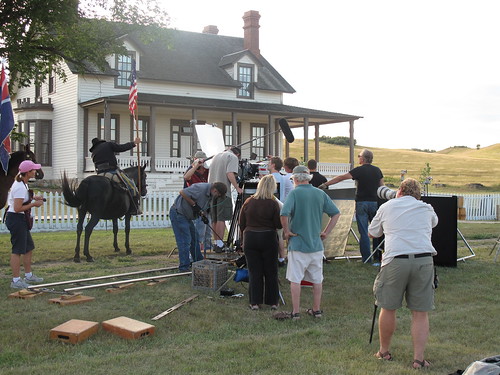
(455,168)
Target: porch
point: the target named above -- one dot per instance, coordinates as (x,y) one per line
(166,173)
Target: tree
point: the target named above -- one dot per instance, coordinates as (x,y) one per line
(425,174)
(36,40)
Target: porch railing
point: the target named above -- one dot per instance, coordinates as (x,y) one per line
(172,165)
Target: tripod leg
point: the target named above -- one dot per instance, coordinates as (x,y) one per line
(281,297)
(373,321)
(169,255)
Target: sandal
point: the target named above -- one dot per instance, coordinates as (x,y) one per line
(387,356)
(253,307)
(284,315)
(274,307)
(417,365)
(315,314)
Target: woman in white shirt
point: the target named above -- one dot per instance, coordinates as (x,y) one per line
(19,201)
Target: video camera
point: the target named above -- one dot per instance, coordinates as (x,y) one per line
(248,171)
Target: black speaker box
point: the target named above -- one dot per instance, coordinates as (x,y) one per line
(444,235)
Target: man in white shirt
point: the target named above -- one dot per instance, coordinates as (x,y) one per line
(407,267)
(224,168)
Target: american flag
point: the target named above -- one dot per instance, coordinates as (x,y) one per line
(132,96)
(6,123)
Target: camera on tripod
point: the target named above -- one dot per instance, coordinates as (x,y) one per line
(248,171)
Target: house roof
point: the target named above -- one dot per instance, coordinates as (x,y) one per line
(196,58)
(294,115)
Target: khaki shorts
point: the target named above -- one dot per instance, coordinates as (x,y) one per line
(221,209)
(305,266)
(412,278)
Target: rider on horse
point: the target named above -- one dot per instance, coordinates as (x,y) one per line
(103,156)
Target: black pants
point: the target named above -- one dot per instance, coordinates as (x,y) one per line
(261,251)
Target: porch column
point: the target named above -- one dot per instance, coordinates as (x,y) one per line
(270,144)
(278,140)
(234,126)
(351,143)
(85,137)
(194,136)
(306,138)
(152,138)
(316,142)
(107,123)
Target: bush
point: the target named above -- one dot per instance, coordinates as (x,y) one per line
(340,141)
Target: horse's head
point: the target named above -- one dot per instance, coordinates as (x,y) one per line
(18,157)
(30,155)
(133,172)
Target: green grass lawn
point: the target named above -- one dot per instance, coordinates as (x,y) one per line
(221,335)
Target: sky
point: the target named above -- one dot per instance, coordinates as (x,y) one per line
(422,75)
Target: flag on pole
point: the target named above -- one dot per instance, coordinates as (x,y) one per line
(132,96)
(6,123)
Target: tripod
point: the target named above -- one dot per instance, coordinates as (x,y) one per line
(235,219)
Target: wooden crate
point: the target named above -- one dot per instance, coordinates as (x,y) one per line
(209,274)
(128,328)
(25,294)
(74,331)
(71,300)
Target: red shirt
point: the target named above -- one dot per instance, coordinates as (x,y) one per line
(197,177)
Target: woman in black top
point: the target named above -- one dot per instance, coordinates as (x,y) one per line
(259,219)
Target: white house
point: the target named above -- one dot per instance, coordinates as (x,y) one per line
(204,76)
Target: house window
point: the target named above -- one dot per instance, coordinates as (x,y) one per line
(115,127)
(143,125)
(124,68)
(258,146)
(180,138)
(245,78)
(52,83)
(39,134)
(227,131)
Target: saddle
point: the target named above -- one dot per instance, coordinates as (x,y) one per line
(120,180)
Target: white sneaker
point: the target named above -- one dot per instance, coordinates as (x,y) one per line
(33,279)
(19,284)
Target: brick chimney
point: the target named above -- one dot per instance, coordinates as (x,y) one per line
(251,35)
(211,29)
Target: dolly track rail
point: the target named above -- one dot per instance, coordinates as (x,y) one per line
(100,278)
(113,283)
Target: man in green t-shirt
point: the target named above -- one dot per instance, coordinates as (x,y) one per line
(301,217)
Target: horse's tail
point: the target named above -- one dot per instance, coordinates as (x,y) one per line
(69,193)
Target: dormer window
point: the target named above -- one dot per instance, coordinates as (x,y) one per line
(245,78)
(124,69)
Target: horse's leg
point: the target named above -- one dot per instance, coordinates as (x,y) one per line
(127,234)
(79,229)
(88,231)
(115,235)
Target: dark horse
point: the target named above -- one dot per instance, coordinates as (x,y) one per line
(6,180)
(103,199)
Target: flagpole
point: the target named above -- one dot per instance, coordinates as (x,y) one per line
(139,179)
(134,110)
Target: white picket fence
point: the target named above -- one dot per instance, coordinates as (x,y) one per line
(481,206)
(54,215)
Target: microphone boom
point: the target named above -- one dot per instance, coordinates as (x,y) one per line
(285,128)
